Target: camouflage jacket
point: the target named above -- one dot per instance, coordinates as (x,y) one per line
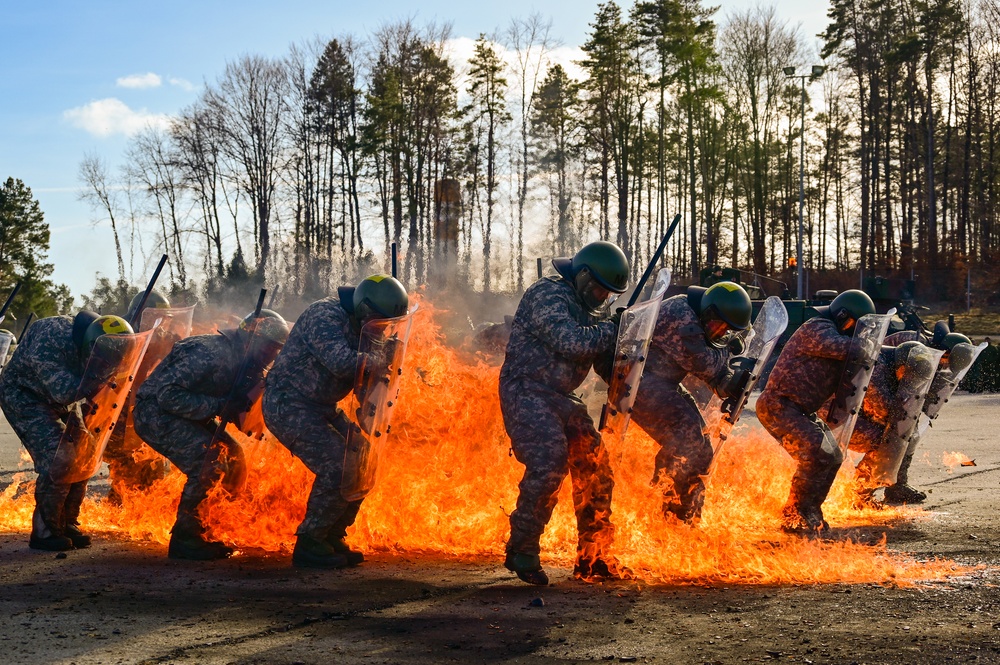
(319,361)
(679,348)
(46,363)
(810,366)
(877,404)
(196,377)
(554,341)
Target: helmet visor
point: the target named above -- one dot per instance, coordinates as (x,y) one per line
(845,322)
(593,294)
(717,332)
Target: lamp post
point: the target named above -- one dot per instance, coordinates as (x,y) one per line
(817,71)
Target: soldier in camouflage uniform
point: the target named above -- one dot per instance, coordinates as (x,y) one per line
(317,369)
(39,390)
(559,330)
(942,339)
(805,376)
(692,336)
(178,410)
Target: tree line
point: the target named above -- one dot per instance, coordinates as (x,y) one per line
(302,170)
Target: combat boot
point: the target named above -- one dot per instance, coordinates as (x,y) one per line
(900,494)
(864,497)
(802,519)
(312,553)
(527,567)
(601,568)
(80,540)
(45,538)
(193,547)
(340,546)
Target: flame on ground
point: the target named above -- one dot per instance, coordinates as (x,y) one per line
(951,460)
(448,484)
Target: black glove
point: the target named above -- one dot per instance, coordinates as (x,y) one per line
(616,318)
(737,345)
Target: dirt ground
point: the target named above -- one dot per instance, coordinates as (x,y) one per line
(124,602)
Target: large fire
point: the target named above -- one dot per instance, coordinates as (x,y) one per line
(448,483)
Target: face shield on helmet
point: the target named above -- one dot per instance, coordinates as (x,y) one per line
(155,300)
(597,270)
(593,294)
(266,335)
(724,310)
(379,297)
(848,307)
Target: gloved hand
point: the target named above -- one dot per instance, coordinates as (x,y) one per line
(737,345)
(234,408)
(616,318)
(734,383)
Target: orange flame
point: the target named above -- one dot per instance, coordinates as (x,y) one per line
(448,484)
(951,460)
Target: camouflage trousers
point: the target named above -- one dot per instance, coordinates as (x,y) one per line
(189,445)
(40,426)
(318,437)
(867,438)
(552,435)
(668,413)
(810,443)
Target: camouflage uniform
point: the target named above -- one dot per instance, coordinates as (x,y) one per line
(175,412)
(895,339)
(669,414)
(554,341)
(316,369)
(805,376)
(36,389)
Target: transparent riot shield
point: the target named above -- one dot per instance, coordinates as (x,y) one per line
(634,334)
(946,381)
(106,381)
(914,380)
(846,403)
(376,389)
(6,339)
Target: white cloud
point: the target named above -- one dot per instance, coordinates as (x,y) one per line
(183,84)
(147,80)
(105,117)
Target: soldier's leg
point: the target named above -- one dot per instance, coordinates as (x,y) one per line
(319,440)
(902,493)
(811,444)
(673,419)
(538,440)
(74,500)
(865,439)
(39,427)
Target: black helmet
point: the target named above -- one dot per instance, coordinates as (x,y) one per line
(722,308)
(951,339)
(104,325)
(269,326)
(848,307)
(379,297)
(155,299)
(81,322)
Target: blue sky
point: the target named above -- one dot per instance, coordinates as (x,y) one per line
(76,75)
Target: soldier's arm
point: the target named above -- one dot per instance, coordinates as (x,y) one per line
(329,345)
(179,394)
(698,358)
(50,367)
(553,323)
(828,343)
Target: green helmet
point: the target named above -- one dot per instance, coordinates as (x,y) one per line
(902,352)
(951,339)
(605,262)
(269,326)
(379,297)
(723,308)
(104,325)
(155,299)
(848,307)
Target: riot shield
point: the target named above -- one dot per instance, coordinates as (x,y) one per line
(376,389)
(842,414)
(6,339)
(770,323)
(911,391)
(634,334)
(106,381)
(169,326)
(946,381)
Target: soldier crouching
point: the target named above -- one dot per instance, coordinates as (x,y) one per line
(204,380)
(692,336)
(558,332)
(317,369)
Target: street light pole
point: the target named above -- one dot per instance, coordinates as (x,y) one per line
(817,71)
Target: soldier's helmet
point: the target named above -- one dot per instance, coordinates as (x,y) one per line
(724,307)
(379,297)
(269,325)
(155,299)
(952,339)
(101,326)
(848,307)
(596,271)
